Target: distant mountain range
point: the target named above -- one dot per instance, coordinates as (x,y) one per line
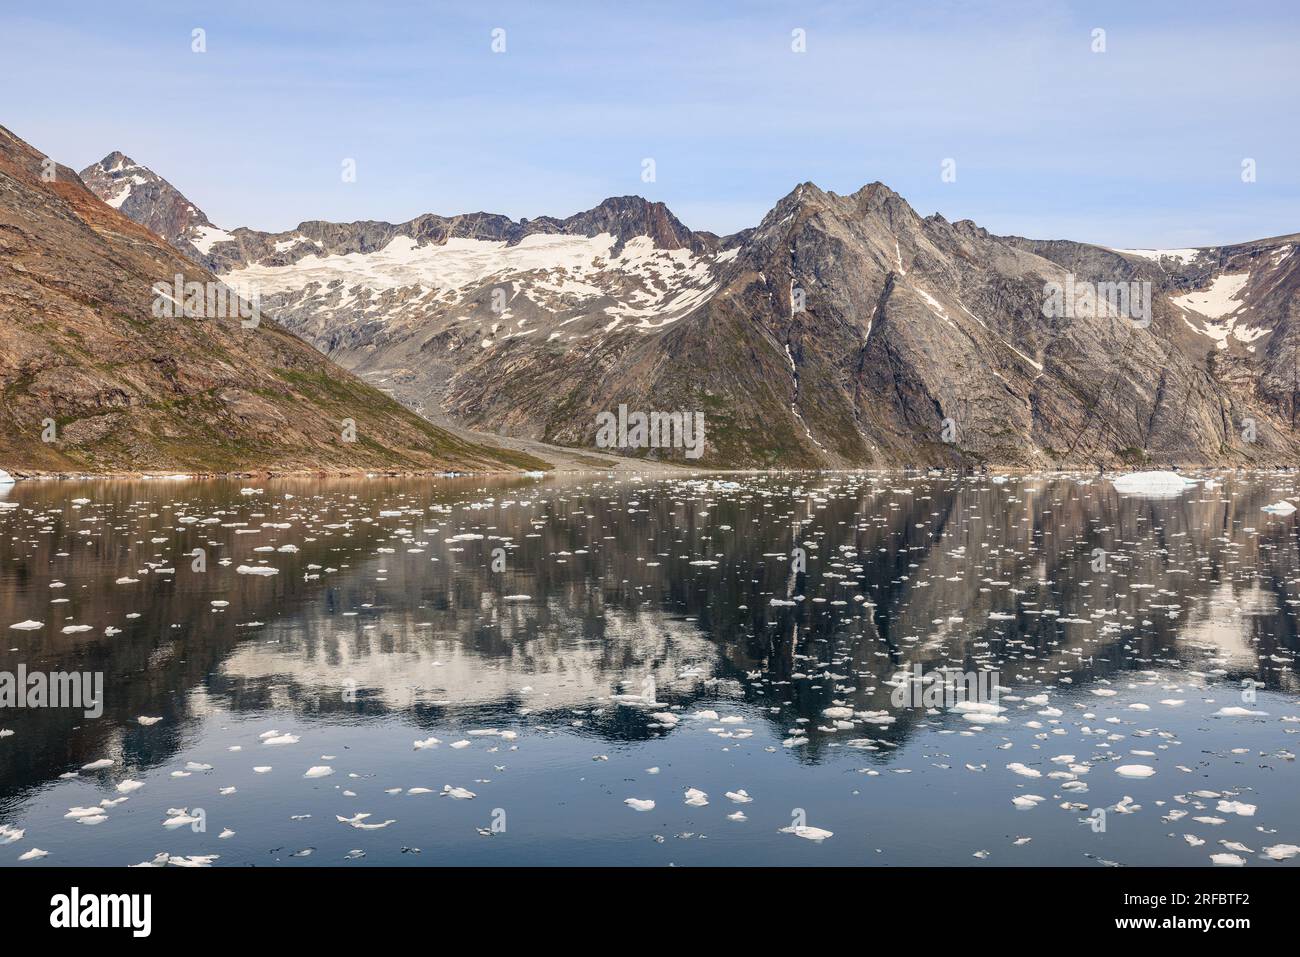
(95,376)
(841,331)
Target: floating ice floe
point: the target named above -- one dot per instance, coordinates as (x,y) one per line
(164,859)
(980,712)
(1236,807)
(1282,507)
(1235,711)
(1135,771)
(1152,484)
(180,817)
(640,804)
(1228,860)
(1282,852)
(1026,801)
(807,832)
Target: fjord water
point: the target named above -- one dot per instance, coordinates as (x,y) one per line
(1121,630)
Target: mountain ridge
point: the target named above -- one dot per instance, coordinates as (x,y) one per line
(842,330)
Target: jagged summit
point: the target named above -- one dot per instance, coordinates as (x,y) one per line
(116,160)
(149,199)
(143,196)
(871,200)
(627,217)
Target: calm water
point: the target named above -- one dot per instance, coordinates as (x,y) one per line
(386,625)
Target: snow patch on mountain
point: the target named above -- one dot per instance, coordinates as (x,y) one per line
(120,197)
(646,284)
(1216,301)
(205,237)
(1180,256)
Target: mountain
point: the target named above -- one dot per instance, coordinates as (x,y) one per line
(842,331)
(146,198)
(96,376)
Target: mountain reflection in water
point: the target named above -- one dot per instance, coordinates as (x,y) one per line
(386,623)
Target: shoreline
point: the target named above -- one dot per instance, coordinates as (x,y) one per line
(22,476)
(623,465)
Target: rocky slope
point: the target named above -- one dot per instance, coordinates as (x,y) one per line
(841,331)
(95,379)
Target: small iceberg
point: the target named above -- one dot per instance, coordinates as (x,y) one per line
(1135,771)
(6,478)
(808,832)
(1152,484)
(1282,507)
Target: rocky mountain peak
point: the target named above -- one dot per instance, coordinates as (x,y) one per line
(817,223)
(118,160)
(872,201)
(879,203)
(146,198)
(628,217)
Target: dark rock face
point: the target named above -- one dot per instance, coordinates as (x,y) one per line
(144,197)
(841,331)
(95,379)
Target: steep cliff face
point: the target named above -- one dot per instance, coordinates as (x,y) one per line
(927,342)
(93,377)
(840,331)
(849,331)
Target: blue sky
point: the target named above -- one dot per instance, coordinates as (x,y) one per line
(1141,145)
